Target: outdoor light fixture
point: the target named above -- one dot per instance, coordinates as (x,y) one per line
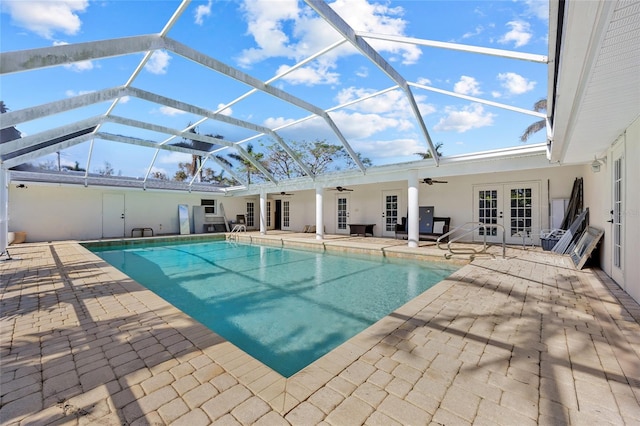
(595,166)
(21,185)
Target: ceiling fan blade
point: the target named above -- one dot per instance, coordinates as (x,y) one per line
(430,181)
(342,188)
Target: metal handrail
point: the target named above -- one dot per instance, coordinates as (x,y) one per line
(477,226)
(236,230)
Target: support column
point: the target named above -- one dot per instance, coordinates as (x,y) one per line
(319,218)
(4,209)
(413,219)
(263,212)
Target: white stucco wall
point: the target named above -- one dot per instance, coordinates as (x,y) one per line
(54,212)
(599,199)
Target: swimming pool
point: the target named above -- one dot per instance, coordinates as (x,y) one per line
(284,307)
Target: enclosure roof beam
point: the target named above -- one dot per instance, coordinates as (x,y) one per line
(50,149)
(331,17)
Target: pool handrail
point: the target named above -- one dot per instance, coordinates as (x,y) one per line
(476,226)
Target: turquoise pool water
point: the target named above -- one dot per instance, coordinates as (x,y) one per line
(285,307)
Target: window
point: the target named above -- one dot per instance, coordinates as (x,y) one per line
(209,206)
(268,214)
(391,212)
(520,211)
(488,210)
(250,213)
(342,213)
(285,214)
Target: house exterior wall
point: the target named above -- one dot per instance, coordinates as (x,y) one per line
(54,212)
(49,212)
(599,199)
(453,199)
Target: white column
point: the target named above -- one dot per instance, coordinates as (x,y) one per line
(263,212)
(4,208)
(413,224)
(319,218)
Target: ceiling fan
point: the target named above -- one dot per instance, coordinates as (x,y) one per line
(341,188)
(430,181)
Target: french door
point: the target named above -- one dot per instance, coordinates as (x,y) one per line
(390,212)
(617,217)
(516,207)
(342,213)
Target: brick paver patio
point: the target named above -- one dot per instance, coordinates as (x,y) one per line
(517,341)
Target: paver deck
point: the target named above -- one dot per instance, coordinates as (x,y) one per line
(516,341)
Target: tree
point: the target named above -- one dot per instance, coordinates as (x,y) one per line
(539,106)
(246,165)
(76,168)
(159,175)
(318,155)
(107,170)
(196,160)
(427,155)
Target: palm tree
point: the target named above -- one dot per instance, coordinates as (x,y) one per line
(539,106)
(426,155)
(246,164)
(196,160)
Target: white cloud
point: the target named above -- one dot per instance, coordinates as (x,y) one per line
(171,112)
(276,122)
(174,158)
(76,66)
(158,63)
(360,126)
(202,11)
(424,81)
(389,148)
(309,35)
(362,72)
(227,111)
(392,104)
(124,99)
(309,75)
(45,18)
(80,66)
(72,93)
(478,30)
(538,8)
(467,86)
(469,117)
(496,94)
(515,83)
(520,33)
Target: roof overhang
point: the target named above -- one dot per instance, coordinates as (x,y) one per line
(595,85)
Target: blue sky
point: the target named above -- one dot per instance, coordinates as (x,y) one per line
(264,38)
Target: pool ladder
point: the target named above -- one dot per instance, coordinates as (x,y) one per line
(469,250)
(233,235)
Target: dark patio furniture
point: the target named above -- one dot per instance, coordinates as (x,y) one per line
(361,229)
(402,232)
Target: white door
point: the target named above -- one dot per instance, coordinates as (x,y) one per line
(269,216)
(112,215)
(516,207)
(342,213)
(390,210)
(617,217)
